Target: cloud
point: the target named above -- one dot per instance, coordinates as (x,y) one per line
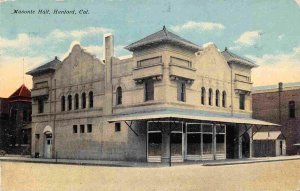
(281,36)
(200,26)
(277,67)
(3,1)
(78,34)
(249,38)
(298,2)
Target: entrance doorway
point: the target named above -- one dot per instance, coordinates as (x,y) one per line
(48,146)
(245,145)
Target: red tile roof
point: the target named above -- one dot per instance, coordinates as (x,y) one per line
(21,94)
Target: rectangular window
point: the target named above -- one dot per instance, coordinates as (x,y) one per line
(74,128)
(242,101)
(149,62)
(149,90)
(117,127)
(89,128)
(292,109)
(181,91)
(81,128)
(181,62)
(41,106)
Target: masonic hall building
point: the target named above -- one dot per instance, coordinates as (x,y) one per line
(171,100)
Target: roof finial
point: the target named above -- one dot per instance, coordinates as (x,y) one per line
(164,28)
(55,57)
(226,48)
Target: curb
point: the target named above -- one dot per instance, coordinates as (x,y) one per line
(248,162)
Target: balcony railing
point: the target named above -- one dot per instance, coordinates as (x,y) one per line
(36,92)
(182,72)
(154,70)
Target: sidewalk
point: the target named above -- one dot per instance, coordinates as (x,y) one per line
(16,158)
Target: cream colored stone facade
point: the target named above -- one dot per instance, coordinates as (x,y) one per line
(82,72)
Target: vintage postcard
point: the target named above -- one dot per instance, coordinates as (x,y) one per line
(149,95)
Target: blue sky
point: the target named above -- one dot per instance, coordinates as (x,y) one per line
(265,31)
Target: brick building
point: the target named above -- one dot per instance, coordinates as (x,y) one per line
(280,105)
(170,100)
(15,118)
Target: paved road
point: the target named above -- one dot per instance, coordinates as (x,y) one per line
(283,175)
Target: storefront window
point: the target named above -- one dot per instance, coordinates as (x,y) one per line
(207,138)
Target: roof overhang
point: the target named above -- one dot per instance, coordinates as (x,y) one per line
(159,115)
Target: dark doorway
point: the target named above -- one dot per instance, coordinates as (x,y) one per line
(230,141)
(245,145)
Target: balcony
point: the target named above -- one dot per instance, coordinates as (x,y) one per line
(37,92)
(177,71)
(154,71)
(243,86)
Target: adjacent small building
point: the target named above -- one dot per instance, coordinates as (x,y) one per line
(280,105)
(15,119)
(171,100)
(269,144)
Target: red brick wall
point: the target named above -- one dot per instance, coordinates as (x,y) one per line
(266,107)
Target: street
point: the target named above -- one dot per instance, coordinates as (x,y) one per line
(18,176)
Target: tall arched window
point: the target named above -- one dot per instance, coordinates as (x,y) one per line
(292,109)
(69,102)
(217,98)
(224,99)
(76,101)
(63,103)
(210,96)
(91,99)
(83,100)
(203,96)
(119,96)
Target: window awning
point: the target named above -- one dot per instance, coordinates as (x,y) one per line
(155,115)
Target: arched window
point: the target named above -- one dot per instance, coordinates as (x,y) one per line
(69,102)
(203,96)
(119,96)
(210,95)
(63,103)
(224,99)
(76,101)
(83,100)
(292,109)
(217,98)
(91,99)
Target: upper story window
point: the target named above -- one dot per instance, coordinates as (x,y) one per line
(181,62)
(41,105)
(119,96)
(69,102)
(149,61)
(203,95)
(63,103)
(223,99)
(292,109)
(210,96)
(242,78)
(91,99)
(83,100)
(242,101)
(181,91)
(76,101)
(149,90)
(217,98)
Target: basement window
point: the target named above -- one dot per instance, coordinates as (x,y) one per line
(74,128)
(117,127)
(89,128)
(81,128)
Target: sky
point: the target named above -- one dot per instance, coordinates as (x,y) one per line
(267,32)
